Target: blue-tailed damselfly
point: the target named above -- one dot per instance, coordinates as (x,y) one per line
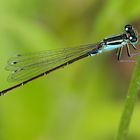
(28,67)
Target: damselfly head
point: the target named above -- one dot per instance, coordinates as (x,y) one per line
(133,39)
(128,28)
(132,35)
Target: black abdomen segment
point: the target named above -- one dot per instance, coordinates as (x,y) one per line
(47,72)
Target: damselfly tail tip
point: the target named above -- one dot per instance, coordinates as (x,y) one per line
(2,94)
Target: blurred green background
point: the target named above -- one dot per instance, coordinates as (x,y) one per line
(83,101)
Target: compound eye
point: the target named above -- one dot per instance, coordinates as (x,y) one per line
(128,28)
(133,39)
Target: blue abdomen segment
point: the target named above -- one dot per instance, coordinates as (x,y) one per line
(94,52)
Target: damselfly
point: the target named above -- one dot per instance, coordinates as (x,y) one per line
(28,67)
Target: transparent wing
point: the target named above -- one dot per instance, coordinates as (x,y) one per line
(26,66)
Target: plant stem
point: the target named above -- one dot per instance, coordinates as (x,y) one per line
(130,103)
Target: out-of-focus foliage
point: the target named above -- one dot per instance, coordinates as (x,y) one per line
(83,101)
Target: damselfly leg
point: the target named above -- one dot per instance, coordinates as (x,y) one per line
(119,52)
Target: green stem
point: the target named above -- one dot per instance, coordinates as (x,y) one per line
(130,103)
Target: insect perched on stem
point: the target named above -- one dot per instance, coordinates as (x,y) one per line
(28,67)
